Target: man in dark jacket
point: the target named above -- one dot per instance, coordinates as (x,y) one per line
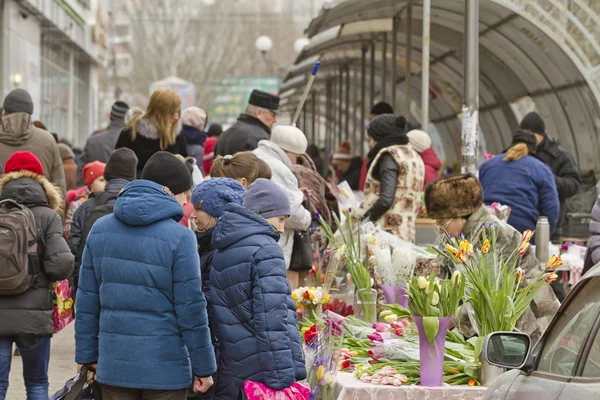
(99,146)
(119,171)
(141,315)
(251,127)
(560,161)
(27,318)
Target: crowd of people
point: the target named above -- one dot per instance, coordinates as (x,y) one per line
(183,241)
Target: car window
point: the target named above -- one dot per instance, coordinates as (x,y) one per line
(570,331)
(592,364)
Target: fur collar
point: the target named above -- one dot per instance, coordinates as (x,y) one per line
(55,199)
(147,129)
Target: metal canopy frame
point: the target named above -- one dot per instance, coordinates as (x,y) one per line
(520,56)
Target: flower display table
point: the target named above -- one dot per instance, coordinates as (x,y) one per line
(347,387)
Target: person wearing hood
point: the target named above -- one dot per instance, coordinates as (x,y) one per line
(281,153)
(251,296)
(456,204)
(28,318)
(194,122)
(517,179)
(560,161)
(209,200)
(118,172)
(156,129)
(141,315)
(100,146)
(17,133)
(347,166)
(395,178)
(214,131)
(421,142)
(252,126)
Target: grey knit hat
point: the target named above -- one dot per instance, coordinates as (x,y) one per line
(122,164)
(266,199)
(19,100)
(118,111)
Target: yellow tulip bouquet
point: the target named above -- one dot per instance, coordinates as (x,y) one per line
(496,288)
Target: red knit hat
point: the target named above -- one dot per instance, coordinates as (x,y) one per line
(93,171)
(23,161)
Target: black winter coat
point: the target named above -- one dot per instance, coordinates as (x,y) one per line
(563,166)
(31,313)
(147,142)
(387,173)
(352,176)
(244,135)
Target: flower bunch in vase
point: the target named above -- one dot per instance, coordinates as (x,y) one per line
(498,290)
(432,303)
(347,244)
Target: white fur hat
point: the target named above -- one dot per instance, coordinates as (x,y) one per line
(289,138)
(419,140)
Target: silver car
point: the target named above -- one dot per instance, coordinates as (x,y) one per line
(565,363)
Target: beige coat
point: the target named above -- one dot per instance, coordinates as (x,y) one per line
(17,133)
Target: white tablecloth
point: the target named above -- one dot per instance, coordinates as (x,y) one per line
(347,387)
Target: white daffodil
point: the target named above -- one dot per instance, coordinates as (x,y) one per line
(339,253)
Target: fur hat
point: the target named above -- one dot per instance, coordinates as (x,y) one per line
(289,138)
(453,197)
(419,140)
(344,151)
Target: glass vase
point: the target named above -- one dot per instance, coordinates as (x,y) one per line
(365,305)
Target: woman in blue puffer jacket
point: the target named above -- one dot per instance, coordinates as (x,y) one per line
(141,313)
(209,200)
(250,293)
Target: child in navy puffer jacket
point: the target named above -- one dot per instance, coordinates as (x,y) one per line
(209,200)
(250,293)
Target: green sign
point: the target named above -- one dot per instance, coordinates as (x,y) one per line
(230,96)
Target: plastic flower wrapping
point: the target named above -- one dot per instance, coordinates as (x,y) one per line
(395,258)
(309,301)
(63,305)
(501,211)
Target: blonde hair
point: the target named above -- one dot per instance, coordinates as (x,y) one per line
(163,104)
(242,165)
(516,152)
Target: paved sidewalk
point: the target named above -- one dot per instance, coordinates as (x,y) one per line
(62,365)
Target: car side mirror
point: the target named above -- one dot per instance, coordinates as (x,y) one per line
(510,350)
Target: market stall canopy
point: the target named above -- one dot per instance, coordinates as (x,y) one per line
(538,54)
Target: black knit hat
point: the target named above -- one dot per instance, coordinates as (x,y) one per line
(382,108)
(167,170)
(122,164)
(386,125)
(118,111)
(534,123)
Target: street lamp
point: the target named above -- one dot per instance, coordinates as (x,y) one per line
(264,44)
(300,44)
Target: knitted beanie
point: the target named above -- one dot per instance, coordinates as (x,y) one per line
(18,100)
(382,108)
(289,138)
(266,199)
(386,125)
(419,140)
(213,195)
(93,171)
(23,161)
(165,169)
(533,122)
(344,151)
(453,197)
(118,111)
(65,151)
(122,164)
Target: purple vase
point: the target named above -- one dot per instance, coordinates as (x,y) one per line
(432,355)
(395,295)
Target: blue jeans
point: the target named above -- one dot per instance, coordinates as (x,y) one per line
(35,352)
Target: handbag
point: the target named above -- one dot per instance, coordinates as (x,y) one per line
(302,251)
(77,388)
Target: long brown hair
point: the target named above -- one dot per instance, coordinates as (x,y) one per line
(163,104)
(242,165)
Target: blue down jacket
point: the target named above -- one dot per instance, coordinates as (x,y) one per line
(252,301)
(141,314)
